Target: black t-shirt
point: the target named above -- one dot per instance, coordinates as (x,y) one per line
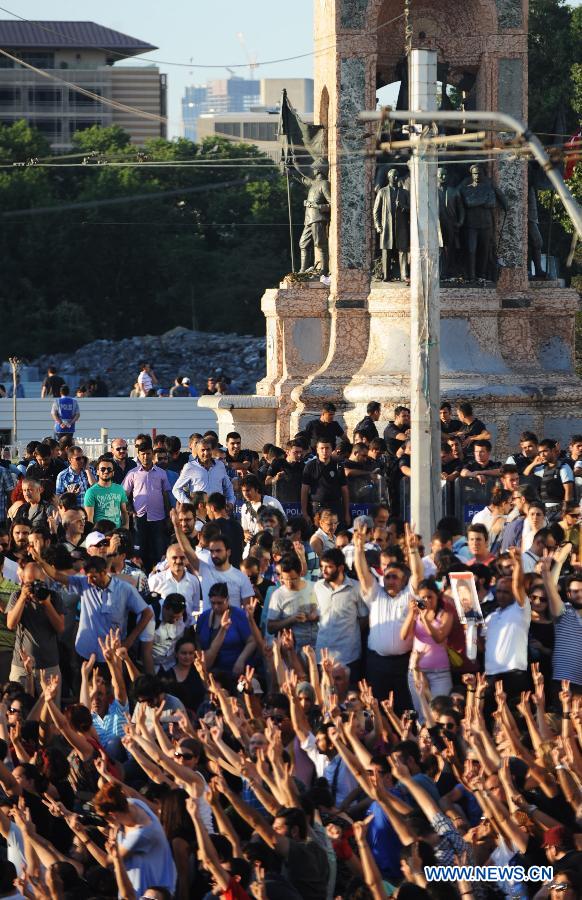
(53,384)
(454,465)
(245,456)
(307,868)
(452,426)
(176,465)
(119,473)
(367,427)
(325,481)
(231,530)
(191,691)
(317,430)
(288,488)
(392,442)
(520,461)
(476,427)
(38,473)
(474,466)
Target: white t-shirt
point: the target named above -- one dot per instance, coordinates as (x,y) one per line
(239,586)
(248,521)
(387,615)
(164,583)
(506,632)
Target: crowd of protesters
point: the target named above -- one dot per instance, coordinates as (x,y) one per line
(214,683)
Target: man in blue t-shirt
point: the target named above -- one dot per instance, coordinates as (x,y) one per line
(65,412)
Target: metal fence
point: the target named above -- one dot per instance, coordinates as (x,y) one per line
(461,498)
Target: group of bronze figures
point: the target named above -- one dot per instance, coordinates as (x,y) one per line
(466,224)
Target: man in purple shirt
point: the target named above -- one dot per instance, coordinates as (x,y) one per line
(148,491)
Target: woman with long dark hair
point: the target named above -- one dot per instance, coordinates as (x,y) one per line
(430,624)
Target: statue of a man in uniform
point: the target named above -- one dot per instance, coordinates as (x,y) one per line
(314,240)
(451,218)
(392,222)
(480,197)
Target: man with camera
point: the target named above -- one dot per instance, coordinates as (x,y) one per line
(35,613)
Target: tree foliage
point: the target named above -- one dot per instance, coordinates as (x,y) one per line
(181,245)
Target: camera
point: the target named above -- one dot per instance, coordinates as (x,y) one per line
(421,604)
(39,590)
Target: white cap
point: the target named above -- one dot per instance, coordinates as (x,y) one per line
(92,539)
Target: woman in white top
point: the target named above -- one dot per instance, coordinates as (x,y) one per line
(324,538)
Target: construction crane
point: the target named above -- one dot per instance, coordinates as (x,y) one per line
(252,57)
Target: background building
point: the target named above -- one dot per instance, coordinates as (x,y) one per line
(84,54)
(203,105)
(220,95)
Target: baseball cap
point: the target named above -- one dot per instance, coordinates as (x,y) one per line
(92,539)
(186,380)
(558,836)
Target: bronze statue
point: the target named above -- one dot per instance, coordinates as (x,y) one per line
(480,197)
(314,240)
(451,218)
(534,237)
(392,222)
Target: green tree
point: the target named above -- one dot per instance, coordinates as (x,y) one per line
(203,233)
(555,45)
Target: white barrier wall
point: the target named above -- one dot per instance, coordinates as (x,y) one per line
(123,416)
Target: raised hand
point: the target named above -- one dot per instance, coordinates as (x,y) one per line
(410,537)
(366,695)
(566,696)
(158,711)
(361,829)
(88,665)
(399,770)
(27,662)
(538,681)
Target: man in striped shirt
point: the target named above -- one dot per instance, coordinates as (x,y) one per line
(77,478)
(567,658)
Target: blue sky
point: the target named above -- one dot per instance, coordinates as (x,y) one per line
(197,32)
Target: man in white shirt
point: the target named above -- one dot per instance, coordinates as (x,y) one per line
(322,753)
(506,633)
(388,655)
(204,474)
(175,579)
(146,379)
(240,589)
(342,613)
(253,500)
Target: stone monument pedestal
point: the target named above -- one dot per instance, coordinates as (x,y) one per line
(253,417)
(298,336)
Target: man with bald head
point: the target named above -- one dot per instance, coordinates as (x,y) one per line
(176,579)
(35,613)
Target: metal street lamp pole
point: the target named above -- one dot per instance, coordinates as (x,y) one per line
(425,459)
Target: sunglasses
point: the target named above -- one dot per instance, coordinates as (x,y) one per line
(277,719)
(178,754)
(14,710)
(105,471)
(560,888)
(121,449)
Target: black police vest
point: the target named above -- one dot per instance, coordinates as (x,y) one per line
(551,488)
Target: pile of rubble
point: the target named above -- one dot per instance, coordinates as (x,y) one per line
(197,354)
